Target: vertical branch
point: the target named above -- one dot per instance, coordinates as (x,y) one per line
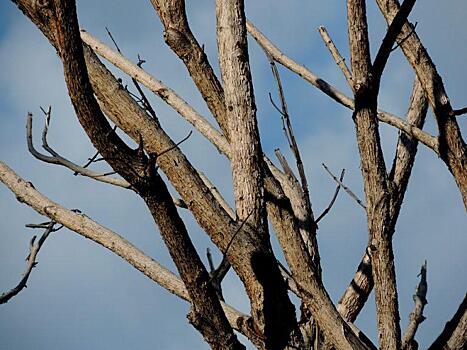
(271,308)
(378,196)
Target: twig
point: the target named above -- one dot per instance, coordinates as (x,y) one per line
(340,61)
(110,240)
(287,125)
(143,99)
(34,248)
(176,145)
(336,192)
(217,274)
(55,158)
(346,189)
(416,316)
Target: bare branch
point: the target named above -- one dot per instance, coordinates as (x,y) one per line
(55,158)
(346,189)
(335,94)
(340,61)
(34,248)
(160,89)
(358,291)
(452,147)
(333,199)
(459,112)
(416,316)
(356,294)
(390,38)
(181,40)
(291,139)
(103,236)
(375,178)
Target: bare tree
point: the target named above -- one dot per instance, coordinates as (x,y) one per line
(263,192)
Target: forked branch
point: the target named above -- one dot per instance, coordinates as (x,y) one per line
(34,248)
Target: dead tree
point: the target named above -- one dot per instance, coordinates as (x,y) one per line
(263,192)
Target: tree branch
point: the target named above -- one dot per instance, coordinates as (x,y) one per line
(181,40)
(273,314)
(335,94)
(358,291)
(333,199)
(452,148)
(340,61)
(416,316)
(84,226)
(346,189)
(375,179)
(206,315)
(390,38)
(34,248)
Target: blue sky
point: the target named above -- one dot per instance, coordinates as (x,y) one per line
(81,296)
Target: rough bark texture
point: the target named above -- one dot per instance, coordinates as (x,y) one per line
(272,313)
(356,294)
(452,148)
(181,40)
(260,188)
(374,178)
(140,172)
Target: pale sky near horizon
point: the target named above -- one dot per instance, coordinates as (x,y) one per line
(83,297)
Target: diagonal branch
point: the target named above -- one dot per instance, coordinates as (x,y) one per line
(340,61)
(84,226)
(346,189)
(34,248)
(452,148)
(322,85)
(390,38)
(181,40)
(333,199)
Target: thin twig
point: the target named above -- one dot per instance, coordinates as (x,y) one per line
(176,145)
(340,61)
(346,189)
(289,130)
(34,248)
(218,274)
(143,99)
(336,192)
